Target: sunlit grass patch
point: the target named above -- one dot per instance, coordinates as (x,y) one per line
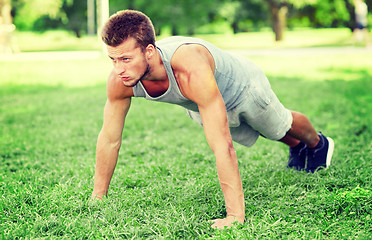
(57,40)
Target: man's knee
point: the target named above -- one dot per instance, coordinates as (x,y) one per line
(276,129)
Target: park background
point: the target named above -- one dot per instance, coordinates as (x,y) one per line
(165,186)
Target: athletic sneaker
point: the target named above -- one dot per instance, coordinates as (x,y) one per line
(297,157)
(320,156)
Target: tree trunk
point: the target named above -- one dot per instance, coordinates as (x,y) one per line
(77,32)
(103,12)
(174,30)
(235,27)
(91,17)
(279,17)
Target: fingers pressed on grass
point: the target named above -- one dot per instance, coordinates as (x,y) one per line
(224,222)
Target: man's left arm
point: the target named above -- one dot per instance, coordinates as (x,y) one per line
(194,75)
(219,139)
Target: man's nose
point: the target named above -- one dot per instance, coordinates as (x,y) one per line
(119,67)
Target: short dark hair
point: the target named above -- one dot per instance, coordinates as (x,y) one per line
(128,23)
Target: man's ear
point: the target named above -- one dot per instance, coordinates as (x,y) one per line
(150,51)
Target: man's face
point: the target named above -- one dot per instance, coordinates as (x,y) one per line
(129,62)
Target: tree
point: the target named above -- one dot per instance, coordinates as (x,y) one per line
(279,10)
(331,13)
(75,17)
(29,11)
(253,10)
(182,16)
(91,17)
(233,12)
(243,14)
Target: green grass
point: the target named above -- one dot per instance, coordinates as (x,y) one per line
(165,185)
(292,39)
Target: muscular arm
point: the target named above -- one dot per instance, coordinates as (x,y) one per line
(109,138)
(219,139)
(194,73)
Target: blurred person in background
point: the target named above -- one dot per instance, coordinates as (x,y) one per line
(361,22)
(7,28)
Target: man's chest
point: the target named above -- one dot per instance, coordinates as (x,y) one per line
(156,88)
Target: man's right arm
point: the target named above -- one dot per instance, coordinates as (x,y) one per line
(109,138)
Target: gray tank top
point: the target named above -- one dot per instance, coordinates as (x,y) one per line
(233,74)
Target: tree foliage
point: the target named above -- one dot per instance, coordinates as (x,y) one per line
(75,18)
(244,15)
(332,13)
(29,11)
(182,16)
(186,16)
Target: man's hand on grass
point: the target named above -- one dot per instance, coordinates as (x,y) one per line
(96,196)
(225,222)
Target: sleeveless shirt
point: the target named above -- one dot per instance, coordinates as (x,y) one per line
(233,74)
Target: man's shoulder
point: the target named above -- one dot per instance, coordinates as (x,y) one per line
(190,55)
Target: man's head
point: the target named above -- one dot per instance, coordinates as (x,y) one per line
(128,24)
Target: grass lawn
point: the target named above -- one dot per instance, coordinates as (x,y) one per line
(64,41)
(165,184)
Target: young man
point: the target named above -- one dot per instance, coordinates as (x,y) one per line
(229,96)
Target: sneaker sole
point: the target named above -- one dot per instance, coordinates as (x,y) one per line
(331,148)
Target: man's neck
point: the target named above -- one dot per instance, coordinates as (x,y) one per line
(157,83)
(158,72)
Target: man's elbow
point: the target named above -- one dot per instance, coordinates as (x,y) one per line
(115,145)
